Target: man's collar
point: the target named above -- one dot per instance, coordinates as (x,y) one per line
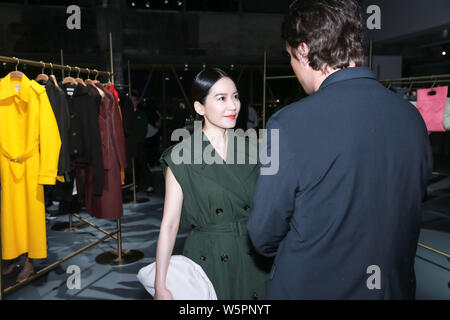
(348,74)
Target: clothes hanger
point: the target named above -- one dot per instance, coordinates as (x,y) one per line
(109,83)
(93,82)
(16,74)
(96,76)
(52,76)
(432,92)
(42,76)
(88,80)
(78,79)
(410,91)
(69,79)
(98,82)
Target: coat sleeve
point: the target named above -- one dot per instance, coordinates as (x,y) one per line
(64,158)
(96,147)
(274,199)
(119,135)
(167,162)
(49,142)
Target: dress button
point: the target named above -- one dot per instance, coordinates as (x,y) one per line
(203,258)
(224,258)
(219,212)
(255,296)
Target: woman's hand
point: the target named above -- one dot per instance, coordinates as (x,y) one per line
(163,294)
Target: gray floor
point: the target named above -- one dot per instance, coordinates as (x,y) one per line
(140,227)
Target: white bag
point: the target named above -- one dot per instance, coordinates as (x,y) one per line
(185,279)
(446,121)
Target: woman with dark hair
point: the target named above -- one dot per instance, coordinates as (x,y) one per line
(215,198)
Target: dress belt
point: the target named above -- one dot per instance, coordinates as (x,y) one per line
(237,228)
(23,157)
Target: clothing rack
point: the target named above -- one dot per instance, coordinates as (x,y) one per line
(133,167)
(44,65)
(418,81)
(119,257)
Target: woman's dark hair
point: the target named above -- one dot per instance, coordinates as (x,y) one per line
(332,29)
(204,81)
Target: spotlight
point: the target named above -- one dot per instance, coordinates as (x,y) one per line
(232,67)
(179,3)
(166,1)
(444,53)
(186,67)
(133,4)
(204,66)
(147,4)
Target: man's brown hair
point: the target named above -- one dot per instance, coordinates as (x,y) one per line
(332,29)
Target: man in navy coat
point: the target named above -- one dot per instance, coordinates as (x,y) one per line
(342,214)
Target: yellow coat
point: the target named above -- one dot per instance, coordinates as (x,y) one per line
(29,152)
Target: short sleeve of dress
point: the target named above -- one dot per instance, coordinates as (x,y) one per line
(167,162)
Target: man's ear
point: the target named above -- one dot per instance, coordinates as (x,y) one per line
(302,52)
(199,108)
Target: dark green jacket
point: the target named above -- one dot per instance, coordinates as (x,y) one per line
(217,203)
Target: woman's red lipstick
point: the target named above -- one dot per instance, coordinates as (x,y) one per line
(232,117)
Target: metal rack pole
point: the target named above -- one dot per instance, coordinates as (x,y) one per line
(432,77)
(119,242)
(281,77)
(133,168)
(111,57)
(40,65)
(119,226)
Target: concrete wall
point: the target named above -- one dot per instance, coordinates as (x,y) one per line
(402,17)
(387,67)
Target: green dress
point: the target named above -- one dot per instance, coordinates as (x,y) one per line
(217,201)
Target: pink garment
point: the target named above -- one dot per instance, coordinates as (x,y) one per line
(432,108)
